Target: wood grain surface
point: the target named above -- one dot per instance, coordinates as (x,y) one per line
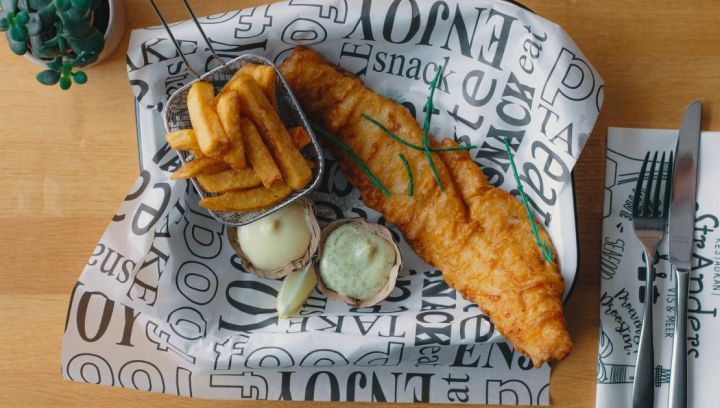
(68,158)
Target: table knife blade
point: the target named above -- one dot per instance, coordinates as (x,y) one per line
(682,205)
(682,227)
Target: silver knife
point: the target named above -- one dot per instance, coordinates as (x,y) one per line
(682,227)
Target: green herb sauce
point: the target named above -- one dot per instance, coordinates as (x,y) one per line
(356,262)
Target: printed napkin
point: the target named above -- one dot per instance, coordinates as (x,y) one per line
(622,271)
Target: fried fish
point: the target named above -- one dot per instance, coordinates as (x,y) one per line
(476,234)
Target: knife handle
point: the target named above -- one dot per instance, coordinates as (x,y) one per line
(678,365)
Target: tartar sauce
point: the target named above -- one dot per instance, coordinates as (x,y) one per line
(356,262)
(278,239)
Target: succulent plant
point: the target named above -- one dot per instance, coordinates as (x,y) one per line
(60,32)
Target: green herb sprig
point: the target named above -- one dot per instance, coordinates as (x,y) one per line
(429,107)
(413,146)
(543,245)
(410,175)
(347,149)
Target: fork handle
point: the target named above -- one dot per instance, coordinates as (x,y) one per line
(643,394)
(678,367)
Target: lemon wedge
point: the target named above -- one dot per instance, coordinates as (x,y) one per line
(295,290)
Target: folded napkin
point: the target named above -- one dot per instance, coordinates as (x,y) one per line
(622,271)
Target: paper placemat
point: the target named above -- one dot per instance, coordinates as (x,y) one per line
(163,304)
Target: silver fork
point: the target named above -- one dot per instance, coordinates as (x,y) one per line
(650,215)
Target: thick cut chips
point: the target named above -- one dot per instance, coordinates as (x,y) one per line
(209,131)
(182,140)
(203,165)
(246,200)
(228,180)
(185,139)
(259,155)
(237,127)
(265,77)
(295,170)
(263,74)
(228,109)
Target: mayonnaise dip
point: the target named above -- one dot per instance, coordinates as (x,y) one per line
(278,239)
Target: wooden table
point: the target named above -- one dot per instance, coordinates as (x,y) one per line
(69,158)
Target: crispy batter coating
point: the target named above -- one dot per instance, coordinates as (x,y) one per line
(476,234)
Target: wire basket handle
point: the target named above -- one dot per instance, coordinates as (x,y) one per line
(177,45)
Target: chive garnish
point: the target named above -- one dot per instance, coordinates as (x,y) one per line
(543,245)
(408,144)
(347,149)
(410,175)
(429,107)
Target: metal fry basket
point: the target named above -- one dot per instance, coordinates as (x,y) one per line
(176,117)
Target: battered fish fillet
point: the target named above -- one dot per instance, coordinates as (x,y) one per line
(476,234)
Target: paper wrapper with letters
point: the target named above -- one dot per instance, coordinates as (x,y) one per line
(623,277)
(163,304)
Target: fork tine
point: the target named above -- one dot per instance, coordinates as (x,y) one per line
(638,186)
(657,205)
(647,209)
(668,185)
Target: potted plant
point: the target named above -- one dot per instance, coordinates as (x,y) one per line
(62,35)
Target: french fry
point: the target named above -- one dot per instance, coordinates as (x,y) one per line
(265,77)
(259,155)
(183,139)
(228,110)
(209,132)
(300,137)
(228,180)
(295,171)
(204,165)
(246,200)
(263,74)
